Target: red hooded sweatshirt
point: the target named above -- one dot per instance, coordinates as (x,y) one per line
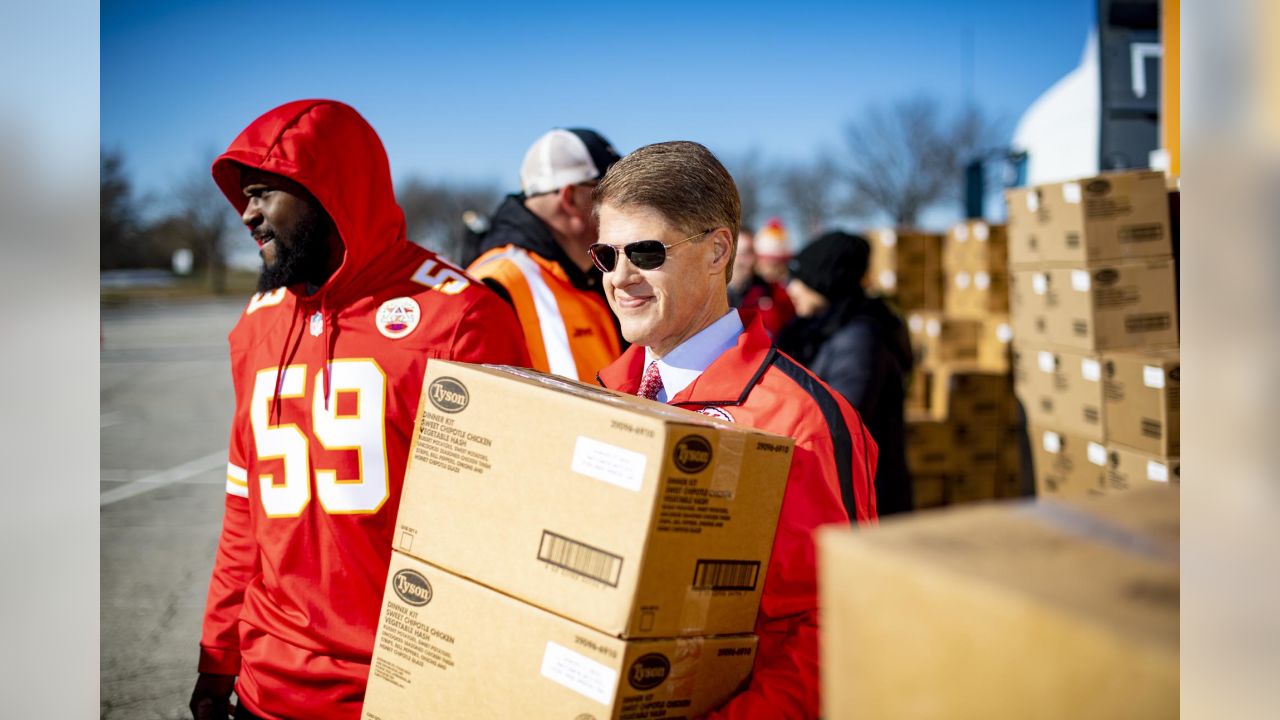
(318,451)
(830,482)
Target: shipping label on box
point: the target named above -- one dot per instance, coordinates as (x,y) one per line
(636,518)
(1114,307)
(1073,606)
(1143,398)
(1131,469)
(1067,465)
(448,647)
(1111,217)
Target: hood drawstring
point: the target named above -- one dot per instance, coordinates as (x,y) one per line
(286,354)
(330,341)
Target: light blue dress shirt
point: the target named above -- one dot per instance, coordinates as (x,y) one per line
(690,358)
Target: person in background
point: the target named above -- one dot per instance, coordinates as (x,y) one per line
(749,291)
(327,363)
(858,346)
(667,260)
(773,251)
(535,255)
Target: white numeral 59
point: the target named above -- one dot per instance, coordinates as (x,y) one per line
(363,432)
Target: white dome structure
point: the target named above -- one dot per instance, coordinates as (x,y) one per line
(1060,131)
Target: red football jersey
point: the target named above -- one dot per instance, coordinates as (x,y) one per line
(327,390)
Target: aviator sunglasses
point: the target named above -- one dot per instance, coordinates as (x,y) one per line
(644,254)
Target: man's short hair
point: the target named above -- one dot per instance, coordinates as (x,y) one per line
(683,181)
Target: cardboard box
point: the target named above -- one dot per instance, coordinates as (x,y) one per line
(906,265)
(1025,220)
(977,485)
(929,491)
(448,647)
(1047,610)
(1101,307)
(1142,392)
(977,294)
(970,394)
(931,447)
(1031,301)
(1062,389)
(1067,466)
(936,339)
(1111,217)
(631,516)
(1130,469)
(918,392)
(993,343)
(974,245)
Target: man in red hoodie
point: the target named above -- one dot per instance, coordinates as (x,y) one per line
(669,217)
(327,362)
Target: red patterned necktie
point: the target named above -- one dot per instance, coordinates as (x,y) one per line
(651,384)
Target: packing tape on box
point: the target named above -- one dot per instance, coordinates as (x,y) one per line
(695,610)
(1093,528)
(684,677)
(729,463)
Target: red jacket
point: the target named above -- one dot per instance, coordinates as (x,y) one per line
(830,481)
(317,456)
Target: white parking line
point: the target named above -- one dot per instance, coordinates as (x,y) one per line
(174,474)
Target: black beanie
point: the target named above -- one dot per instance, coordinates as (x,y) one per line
(833,264)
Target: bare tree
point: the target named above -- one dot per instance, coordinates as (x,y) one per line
(122,240)
(202,220)
(909,156)
(434,214)
(749,175)
(812,191)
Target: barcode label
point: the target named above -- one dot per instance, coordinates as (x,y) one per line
(1151,322)
(580,558)
(726,575)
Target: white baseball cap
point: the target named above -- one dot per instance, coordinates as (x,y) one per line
(565,157)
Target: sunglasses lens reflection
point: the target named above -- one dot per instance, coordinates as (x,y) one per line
(604,256)
(646,254)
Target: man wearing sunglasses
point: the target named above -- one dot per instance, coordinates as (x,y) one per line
(535,255)
(669,216)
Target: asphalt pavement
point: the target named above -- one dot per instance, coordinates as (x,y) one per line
(166,411)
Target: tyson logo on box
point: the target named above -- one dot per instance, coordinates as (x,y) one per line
(448,395)
(692,454)
(649,671)
(412,587)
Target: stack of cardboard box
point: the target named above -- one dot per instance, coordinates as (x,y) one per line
(1093,299)
(906,265)
(594,555)
(962,439)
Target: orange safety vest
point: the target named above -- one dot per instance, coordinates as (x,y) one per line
(569,331)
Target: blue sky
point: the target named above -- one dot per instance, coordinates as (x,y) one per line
(458,90)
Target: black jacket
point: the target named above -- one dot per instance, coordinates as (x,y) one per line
(860,347)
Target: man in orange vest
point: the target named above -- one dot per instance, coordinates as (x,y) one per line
(535,255)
